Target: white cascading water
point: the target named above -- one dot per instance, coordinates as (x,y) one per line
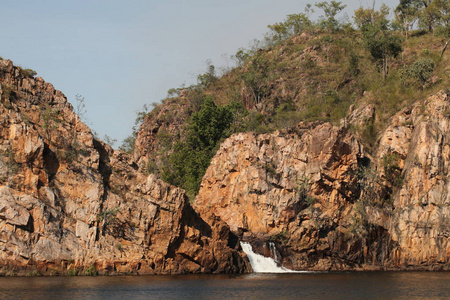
(273,251)
(262,264)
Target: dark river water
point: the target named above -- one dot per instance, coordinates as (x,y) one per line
(377,285)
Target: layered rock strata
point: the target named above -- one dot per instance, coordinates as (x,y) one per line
(327,205)
(69,204)
(312,196)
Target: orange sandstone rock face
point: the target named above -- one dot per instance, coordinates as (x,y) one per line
(420,222)
(70,204)
(327,205)
(294,189)
(159,128)
(259,183)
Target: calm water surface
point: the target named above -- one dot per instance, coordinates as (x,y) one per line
(398,285)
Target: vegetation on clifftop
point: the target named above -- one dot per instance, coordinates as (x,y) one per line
(191,157)
(305,70)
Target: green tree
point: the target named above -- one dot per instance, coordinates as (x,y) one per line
(128,143)
(379,40)
(279,32)
(204,80)
(191,158)
(109,140)
(427,16)
(258,76)
(81,111)
(80,108)
(406,14)
(241,57)
(293,25)
(297,23)
(208,125)
(367,18)
(140,116)
(439,13)
(434,14)
(383,45)
(331,9)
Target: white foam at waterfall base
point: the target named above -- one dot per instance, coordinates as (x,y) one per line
(262,264)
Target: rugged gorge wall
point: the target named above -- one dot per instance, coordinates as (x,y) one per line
(420,220)
(71,204)
(260,183)
(327,205)
(321,198)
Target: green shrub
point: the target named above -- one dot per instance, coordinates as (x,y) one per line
(34,273)
(190,159)
(128,143)
(390,163)
(108,216)
(28,73)
(369,183)
(72,272)
(270,168)
(417,73)
(353,65)
(51,120)
(369,135)
(6,93)
(310,201)
(286,119)
(302,187)
(91,271)
(443,31)
(12,166)
(71,154)
(253,121)
(281,237)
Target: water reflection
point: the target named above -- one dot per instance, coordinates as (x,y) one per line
(249,286)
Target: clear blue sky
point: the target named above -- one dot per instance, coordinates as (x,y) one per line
(121,55)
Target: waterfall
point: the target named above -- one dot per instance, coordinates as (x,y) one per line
(273,251)
(262,264)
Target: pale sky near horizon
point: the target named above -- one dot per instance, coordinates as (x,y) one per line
(120,55)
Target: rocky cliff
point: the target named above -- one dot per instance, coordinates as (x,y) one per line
(70,204)
(317,194)
(161,127)
(420,219)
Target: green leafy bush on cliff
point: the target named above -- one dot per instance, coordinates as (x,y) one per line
(191,157)
(28,72)
(418,73)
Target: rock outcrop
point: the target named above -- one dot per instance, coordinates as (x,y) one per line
(328,205)
(161,127)
(70,204)
(260,183)
(420,221)
(312,195)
